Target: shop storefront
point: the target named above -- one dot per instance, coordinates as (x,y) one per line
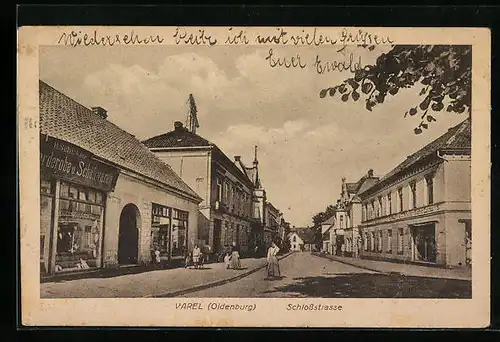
(73,188)
(423,242)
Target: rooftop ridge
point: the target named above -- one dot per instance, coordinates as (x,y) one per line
(440,143)
(133,156)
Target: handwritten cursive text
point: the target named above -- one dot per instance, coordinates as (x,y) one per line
(78,38)
(185,37)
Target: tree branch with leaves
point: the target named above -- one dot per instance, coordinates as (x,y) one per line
(317,220)
(443,71)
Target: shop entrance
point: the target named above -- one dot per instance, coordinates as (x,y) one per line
(128,239)
(424,242)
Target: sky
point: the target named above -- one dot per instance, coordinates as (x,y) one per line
(306,144)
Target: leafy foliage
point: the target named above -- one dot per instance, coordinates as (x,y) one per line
(285,244)
(443,71)
(317,220)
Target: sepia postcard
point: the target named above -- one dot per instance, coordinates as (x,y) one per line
(254,176)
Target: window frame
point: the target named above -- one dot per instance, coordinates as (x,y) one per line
(389,241)
(389,202)
(429,182)
(400,199)
(400,241)
(413,194)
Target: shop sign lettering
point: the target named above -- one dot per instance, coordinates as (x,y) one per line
(67,214)
(69,162)
(409,213)
(160,210)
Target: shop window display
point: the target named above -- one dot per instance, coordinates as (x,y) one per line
(46,205)
(78,232)
(179,232)
(160,227)
(168,233)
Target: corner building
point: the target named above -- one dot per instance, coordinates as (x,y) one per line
(420,212)
(105,199)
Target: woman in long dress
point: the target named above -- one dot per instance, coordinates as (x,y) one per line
(273,267)
(235,258)
(196,256)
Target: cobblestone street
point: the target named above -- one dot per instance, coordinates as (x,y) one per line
(146,284)
(306,275)
(303,275)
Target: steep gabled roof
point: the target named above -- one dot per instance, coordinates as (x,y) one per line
(364,183)
(63,118)
(368,183)
(252,172)
(182,138)
(351,187)
(306,234)
(177,138)
(330,220)
(457,138)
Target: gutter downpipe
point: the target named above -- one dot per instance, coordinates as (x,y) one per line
(440,156)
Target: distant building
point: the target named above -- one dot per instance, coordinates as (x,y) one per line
(327,233)
(349,211)
(421,210)
(273,222)
(259,199)
(342,228)
(232,210)
(283,229)
(302,239)
(105,199)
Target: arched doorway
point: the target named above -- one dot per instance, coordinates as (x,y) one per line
(128,239)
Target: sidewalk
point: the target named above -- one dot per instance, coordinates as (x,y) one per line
(158,283)
(404,269)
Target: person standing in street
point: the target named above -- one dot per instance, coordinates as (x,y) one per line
(235,258)
(227,260)
(196,256)
(273,267)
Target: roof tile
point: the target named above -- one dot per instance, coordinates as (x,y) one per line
(306,234)
(457,137)
(177,138)
(63,118)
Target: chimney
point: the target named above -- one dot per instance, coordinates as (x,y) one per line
(370,173)
(178,126)
(237,158)
(103,113)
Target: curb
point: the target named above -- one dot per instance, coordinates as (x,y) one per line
(212,284)
(388,273)
(353,264)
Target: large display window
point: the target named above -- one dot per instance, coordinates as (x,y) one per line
(160,232)
(46,207)
(179,232)
(79,227)
(168,232)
